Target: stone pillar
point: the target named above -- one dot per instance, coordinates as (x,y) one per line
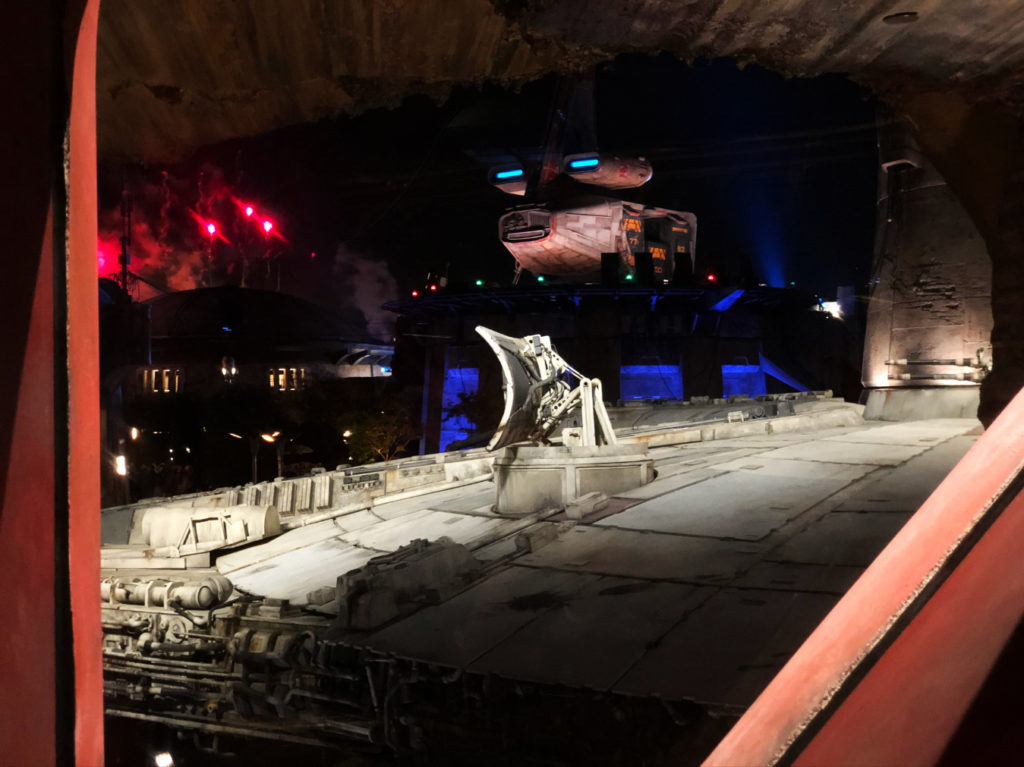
(979,150)
(930,290)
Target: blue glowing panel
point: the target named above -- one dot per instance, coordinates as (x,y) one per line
(728,301)
(651,382)
(588,163)
(464,381)
(509,173)
(742,380)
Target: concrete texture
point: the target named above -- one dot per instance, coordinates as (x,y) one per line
(917,404)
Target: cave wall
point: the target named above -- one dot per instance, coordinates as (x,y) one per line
(174,75)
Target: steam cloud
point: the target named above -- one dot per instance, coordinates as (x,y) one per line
(171,250)
(366,283)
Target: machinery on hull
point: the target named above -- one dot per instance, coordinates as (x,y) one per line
(537,397)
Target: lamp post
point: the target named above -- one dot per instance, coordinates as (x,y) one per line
(272,438)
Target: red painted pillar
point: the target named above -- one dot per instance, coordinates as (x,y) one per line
(83,355)
(49,518)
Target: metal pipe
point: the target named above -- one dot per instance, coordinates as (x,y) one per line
(195,594)
(975,377)
(967,362)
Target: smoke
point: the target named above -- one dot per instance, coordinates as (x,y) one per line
(366,284)
(170,248)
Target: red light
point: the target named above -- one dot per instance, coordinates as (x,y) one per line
(312,255)
(433,288)
(415,293)
(248,210)
(267,226)
(711,278)
(211,229)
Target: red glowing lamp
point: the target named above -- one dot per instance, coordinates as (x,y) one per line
(211,229)
(248,210)
(711,278)
(415,293)
(433,288)
(268,226)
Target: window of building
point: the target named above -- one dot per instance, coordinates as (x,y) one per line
(160,380)
(286,379)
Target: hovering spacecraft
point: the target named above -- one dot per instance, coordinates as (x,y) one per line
(642,243)
(591,236)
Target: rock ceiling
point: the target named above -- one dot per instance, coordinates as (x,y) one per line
(178,74)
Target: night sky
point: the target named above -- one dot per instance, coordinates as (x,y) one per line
(780,173)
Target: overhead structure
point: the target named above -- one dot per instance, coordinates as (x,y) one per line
(538,397)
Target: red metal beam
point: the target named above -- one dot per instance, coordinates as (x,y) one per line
(51,704)
(907,706)
(83,355)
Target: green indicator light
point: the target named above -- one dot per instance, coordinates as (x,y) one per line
(629,277)
(540,278)
(478,283)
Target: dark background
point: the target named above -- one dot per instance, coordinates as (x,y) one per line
(780,173)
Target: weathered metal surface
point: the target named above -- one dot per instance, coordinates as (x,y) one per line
(843,538)
(849,452)
(581,647)
(679,607)
(951,642)
(747,503)
(389,585)
(633,554)
(741,638)
(909,485)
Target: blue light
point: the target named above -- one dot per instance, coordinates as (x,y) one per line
(740,380)
(225,328)
(457,381)
(728,301)
(650,382)
(761,229)
(775,371)
(591,162)
(385,370)
(509,173)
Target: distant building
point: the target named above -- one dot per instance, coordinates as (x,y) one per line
(666,342)
(215,386)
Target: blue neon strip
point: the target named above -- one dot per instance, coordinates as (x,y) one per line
(728,301)
(591,163)
(509,173)
(775,371)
